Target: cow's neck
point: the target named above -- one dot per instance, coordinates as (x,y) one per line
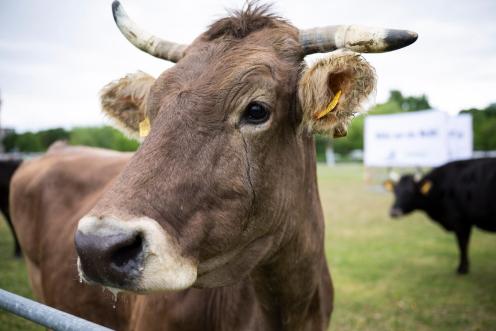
(294,288)
(430,206)
(294,298)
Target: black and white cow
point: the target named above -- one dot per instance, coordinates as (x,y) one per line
(457,195)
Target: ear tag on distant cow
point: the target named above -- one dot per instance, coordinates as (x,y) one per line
(426,187)
(330,107)
(144,127)
(388,185)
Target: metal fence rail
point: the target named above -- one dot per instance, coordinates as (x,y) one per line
(45,315)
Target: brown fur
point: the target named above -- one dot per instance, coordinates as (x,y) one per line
(243,22)
(220,186)
(48,196)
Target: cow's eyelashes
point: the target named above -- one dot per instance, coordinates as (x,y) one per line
(255,113)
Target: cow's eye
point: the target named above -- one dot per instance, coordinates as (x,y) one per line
(255,113)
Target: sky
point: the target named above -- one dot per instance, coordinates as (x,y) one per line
(55,56)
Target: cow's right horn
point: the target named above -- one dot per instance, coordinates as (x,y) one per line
(143,40)
(357,38)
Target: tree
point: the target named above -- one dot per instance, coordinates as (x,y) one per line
(9,142)
(48,137)
(411,103)
(29,142)
(104,137)
(33,141)
(484,124)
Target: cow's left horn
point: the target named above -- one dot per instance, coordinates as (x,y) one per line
(394,176)
(354,37)
(143,40)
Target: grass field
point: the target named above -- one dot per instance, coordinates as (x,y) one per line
(13,278)
(388,275)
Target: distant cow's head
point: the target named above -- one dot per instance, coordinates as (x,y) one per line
(409,193)
(226,173)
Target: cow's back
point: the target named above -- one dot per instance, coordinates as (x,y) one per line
(466,189)
(479,182)
(48,196)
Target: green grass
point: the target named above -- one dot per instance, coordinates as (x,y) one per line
(13,278)
(388,275)
(400,275)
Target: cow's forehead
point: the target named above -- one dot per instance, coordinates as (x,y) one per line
(213,67)
(268,46)
(280,40)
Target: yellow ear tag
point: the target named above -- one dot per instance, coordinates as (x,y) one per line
(144,127)
(330,107)
(388,185)
(426,187)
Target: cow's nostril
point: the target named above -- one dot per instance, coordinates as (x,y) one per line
(113,260)
(128,254)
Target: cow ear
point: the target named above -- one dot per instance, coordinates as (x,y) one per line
(124,101)
(388,185)
(426,187)
(333,90)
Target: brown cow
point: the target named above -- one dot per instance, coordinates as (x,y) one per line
(217,216)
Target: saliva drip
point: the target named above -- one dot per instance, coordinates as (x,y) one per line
(115,293)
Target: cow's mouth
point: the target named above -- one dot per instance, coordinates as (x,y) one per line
(396,212)
(136,255)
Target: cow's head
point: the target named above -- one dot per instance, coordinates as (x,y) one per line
(226,173)
(410,191)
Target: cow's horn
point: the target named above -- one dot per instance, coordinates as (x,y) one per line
(143,40)
(394,176)
(354,37)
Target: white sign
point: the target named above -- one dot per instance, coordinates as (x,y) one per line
(425,138)
(460,137)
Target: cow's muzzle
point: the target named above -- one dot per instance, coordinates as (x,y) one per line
(396,212)
(135,255)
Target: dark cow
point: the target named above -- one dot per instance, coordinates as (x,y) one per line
(7,169)
(217,216)
(458,195)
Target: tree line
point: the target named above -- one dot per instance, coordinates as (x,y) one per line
(484,125)
(105,137)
